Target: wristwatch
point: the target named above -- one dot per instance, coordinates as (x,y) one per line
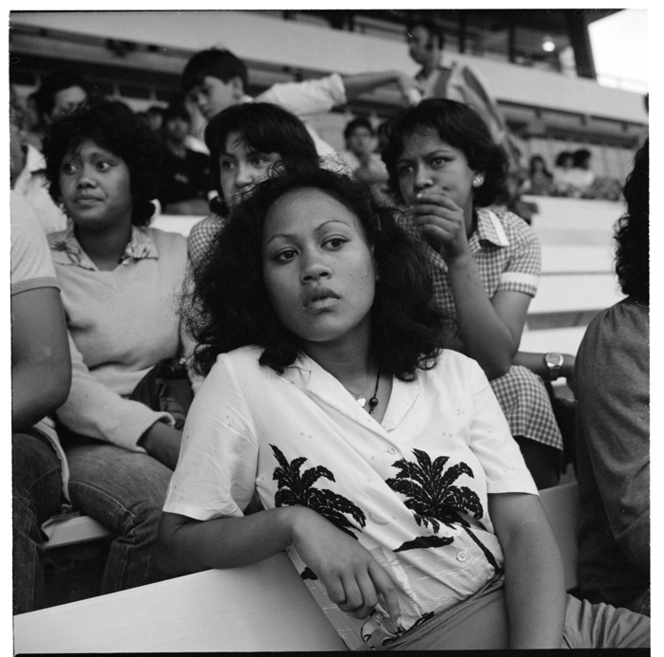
(554,362)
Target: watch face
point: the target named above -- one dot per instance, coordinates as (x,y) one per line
(554,360)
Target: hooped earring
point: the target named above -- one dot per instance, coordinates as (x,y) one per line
(478,180)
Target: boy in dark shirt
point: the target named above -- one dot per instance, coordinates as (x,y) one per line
(185,174)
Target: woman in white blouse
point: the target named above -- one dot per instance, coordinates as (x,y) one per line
(383,462)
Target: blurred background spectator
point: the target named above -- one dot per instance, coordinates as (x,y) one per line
(539,180)
(27,170)
(184,181)
(360,153)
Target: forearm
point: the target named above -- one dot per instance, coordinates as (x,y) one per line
(38,389)
(361,83)
(484,335)
(187,546)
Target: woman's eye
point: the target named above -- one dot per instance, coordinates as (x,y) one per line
(439,161)
(404,171)
(68,168)
(285,256)
(103,165)
(335,242)
(258,161)
(225,165)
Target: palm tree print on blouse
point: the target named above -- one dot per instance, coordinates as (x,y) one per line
(296,488)
(434,499)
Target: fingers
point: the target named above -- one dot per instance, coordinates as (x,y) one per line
(385,587)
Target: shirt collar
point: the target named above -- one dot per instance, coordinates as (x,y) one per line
(66,250)
(489,228)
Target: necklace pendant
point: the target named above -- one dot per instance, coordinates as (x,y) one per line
(362,401)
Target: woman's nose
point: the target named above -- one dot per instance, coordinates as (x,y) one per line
(244,176)
(86,177)
(313,268)
(422,178)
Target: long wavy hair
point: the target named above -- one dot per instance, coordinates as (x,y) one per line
(228,306)
(631,230)
(459,126)
(112,126)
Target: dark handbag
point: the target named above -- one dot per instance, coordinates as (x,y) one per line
(166,387)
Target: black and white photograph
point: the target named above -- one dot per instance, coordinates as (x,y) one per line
(329,329)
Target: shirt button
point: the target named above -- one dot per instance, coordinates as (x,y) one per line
(462,556)
(393,450)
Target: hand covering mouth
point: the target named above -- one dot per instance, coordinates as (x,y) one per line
(318,294)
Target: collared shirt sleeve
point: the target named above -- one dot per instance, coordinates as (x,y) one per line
(307,98)
(525,261)
(216,471)
(492,442)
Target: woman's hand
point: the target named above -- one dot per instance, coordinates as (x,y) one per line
(162,443)
(443,222)
(352,577)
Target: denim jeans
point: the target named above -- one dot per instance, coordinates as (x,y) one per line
(125,491)
(36,496)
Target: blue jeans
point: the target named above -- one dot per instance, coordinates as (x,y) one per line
(36,496)
(125,491)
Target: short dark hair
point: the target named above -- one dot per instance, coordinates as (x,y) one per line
(562,156)
(631,230)
(114,127)
(264,127)
(459,126)
(220,64)
(359,122)
(434,30)
(581,156)
(230,307)
(52,84)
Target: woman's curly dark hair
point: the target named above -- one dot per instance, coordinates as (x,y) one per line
(631,230)
(229,306)
(457,125)
(112,126)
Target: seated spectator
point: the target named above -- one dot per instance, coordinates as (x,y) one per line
(154,115)
(580,176)
(60,93)
(34,126)
(561,173)
(217,79)
(360,152)
(185,180)
(245,142)
(446,169)
(383,462)
(27,171)
(41,376)
(540,179)
(613,421)
(119,281)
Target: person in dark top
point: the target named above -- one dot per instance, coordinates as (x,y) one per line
(613,421)
(185,174)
